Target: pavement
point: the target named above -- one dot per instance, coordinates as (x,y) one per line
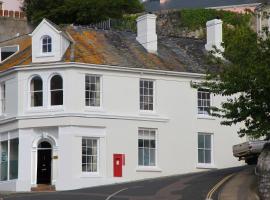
(193,186)
(242,186)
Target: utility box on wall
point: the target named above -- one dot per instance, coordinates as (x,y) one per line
(118,163)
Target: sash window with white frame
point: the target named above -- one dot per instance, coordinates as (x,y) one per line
(36,92)
(146,95)
(56,90)
(90,155)
(3,98)
(92,91)
(204,102)
(205,148)
(147,149)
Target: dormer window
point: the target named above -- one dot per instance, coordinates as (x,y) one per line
(46,44)
(7,52)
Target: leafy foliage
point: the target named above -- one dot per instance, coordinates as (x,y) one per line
(79,11)
(244,78)
(197,18)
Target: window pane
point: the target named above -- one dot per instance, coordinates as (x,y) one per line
(56,82)
(200,156)
(57,98)
(146,160)
(200,141)
(208,141)
(4,160)
(140,156)
(207,156)
(146,95)
(89,155)
(152,157)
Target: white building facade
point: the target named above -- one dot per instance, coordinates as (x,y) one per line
(75,125)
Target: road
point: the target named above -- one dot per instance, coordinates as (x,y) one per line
(183,187)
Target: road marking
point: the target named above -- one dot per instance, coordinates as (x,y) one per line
(217,186)
(114,194)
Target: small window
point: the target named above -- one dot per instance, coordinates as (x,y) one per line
(56,90)
(89,155)
(92,90)
(36,92)
(46,44)
(146,95)
(3,98)
(204,102)
(204,148)
(7,52)
(147,147)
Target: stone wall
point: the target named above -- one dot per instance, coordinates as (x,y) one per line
(263,172)
(11,27)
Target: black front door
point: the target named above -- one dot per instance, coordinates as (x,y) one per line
(44,166)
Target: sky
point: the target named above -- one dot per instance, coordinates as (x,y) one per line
(11,4)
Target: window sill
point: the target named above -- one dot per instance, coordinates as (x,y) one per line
(90,175)
(208,117)
(94,109)
(148,113)
(45,55)
(56,108)
(205,166)
(148,169)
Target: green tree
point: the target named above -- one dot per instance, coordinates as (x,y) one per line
(244,78)
(79,11)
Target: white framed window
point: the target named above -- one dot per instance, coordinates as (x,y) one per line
(90,151)
(146,95)
(3,98)
(204,101)
(46,44)
(9,151)
(56,90)
(36,92)
(205,148)
(93,90)
(147,147)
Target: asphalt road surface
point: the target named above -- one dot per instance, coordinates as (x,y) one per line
(183,187)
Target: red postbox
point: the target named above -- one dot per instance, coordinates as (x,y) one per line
(118,162)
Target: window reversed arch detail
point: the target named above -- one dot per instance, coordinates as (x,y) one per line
(36,91)
(46,44)
(56,90)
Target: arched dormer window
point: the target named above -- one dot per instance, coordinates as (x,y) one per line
(36,92)
(56,90)
(46,44)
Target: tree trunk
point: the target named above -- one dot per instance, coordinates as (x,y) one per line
(263,170)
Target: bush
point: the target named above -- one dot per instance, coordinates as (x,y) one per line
(197,18)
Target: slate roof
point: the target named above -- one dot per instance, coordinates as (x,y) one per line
(119,48)
(155,5)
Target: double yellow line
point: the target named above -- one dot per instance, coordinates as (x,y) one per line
(217,186)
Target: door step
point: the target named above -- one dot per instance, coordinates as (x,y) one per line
(43,188)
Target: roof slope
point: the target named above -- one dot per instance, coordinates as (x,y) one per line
(154,5)
(121,49)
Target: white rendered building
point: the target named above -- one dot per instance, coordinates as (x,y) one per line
(82,107)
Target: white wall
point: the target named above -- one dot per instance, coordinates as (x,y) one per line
(12,4)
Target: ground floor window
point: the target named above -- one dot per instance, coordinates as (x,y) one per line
(147,147)
(89,155)
(205,148)
(9,159)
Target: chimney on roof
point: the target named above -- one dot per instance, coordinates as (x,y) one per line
(214,36)
(146,32)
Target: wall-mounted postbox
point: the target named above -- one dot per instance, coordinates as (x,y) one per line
(118,162)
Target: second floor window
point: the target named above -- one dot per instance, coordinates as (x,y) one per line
(146,95)
(3,98)
(56,90)
(46,44)
(204,102)
(92,90)
(36,92)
